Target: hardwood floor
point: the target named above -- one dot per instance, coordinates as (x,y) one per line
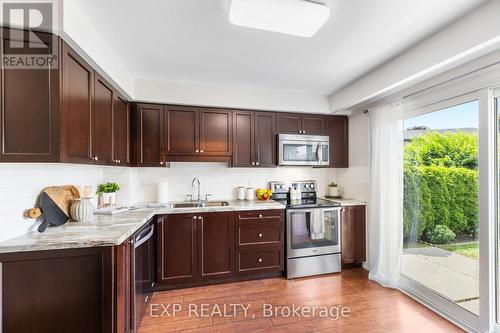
(372,308)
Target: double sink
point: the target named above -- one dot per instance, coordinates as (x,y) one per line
(196,204)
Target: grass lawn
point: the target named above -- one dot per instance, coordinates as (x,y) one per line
(470,250)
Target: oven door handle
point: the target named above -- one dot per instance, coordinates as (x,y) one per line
(141,240)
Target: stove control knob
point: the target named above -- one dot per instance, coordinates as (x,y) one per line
(312,185)
(306,186)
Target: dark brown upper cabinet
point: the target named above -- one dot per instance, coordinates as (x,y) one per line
(121,131)
(243,139)
(254,143)
(76,108)
(102,122)
(148,135)
(265,139)
(290,123)
(338,131)
(197,134)
(29,114)
(216,132)
(313,124)
(181,131)
(294,123)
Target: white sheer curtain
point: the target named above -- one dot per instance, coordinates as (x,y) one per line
(385,210)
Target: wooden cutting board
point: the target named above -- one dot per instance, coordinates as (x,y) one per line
(55,203)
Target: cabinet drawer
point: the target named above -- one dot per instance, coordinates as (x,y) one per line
(253,233)
(262,259)
(259,215)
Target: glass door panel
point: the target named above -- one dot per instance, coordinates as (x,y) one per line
(300,152)
(441,203)
(313,232)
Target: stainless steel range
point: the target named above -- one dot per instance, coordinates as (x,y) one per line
(312,230)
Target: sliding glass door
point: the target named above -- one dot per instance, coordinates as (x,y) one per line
(441,202)
(450,205)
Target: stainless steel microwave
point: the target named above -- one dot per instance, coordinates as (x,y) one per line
(294,149)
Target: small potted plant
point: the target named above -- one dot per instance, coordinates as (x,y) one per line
(333,190)
(108,193)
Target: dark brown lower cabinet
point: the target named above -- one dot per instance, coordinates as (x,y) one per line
(353,234)
(230,246)
(177,249)
(216,242)
(260,242)
(58,291)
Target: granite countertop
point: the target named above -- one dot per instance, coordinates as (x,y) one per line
(105,230)
(347,202)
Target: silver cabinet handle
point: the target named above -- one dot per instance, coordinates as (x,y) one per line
(260,235)
(194,217)
(119,161)
(253,163)
(96,158)
(161,163)
(197,150)
(201,151)
(260,216)
(260,259)
(256,163)
(199,217)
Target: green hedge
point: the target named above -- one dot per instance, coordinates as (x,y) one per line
(439,195)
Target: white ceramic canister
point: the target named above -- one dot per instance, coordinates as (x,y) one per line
(240,193)
(81,210)
(250,195)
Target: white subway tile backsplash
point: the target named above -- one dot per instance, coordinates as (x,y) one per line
(20,184)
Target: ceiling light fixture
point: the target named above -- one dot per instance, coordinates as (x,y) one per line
(294,17)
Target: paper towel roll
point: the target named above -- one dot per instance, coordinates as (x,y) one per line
(162,194)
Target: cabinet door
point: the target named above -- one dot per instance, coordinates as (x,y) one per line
(243,142)
(289,123)
(121,131)
(177,249)
(76,109)
(29,114)
(216,245)
(149,135)
(337,129)
(353,234)
(265,139)
(313,125)
(181,131)
(102,122)
(216,132)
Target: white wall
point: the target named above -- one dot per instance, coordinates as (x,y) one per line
(20,184)
(474,35)
(81,35)
(216,179)
(355,179)
(228,96)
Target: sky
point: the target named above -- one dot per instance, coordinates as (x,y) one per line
(460,116)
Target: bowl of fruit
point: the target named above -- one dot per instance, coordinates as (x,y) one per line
(263,194)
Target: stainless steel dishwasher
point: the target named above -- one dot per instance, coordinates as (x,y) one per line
(143,271)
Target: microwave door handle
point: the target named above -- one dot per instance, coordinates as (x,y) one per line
(319,153)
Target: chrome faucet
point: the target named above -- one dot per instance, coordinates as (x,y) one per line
(199,186)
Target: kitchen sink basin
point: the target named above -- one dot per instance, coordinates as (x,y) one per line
(199,204)
(187,204)
(216,204)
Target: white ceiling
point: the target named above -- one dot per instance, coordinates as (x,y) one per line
(193,41)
